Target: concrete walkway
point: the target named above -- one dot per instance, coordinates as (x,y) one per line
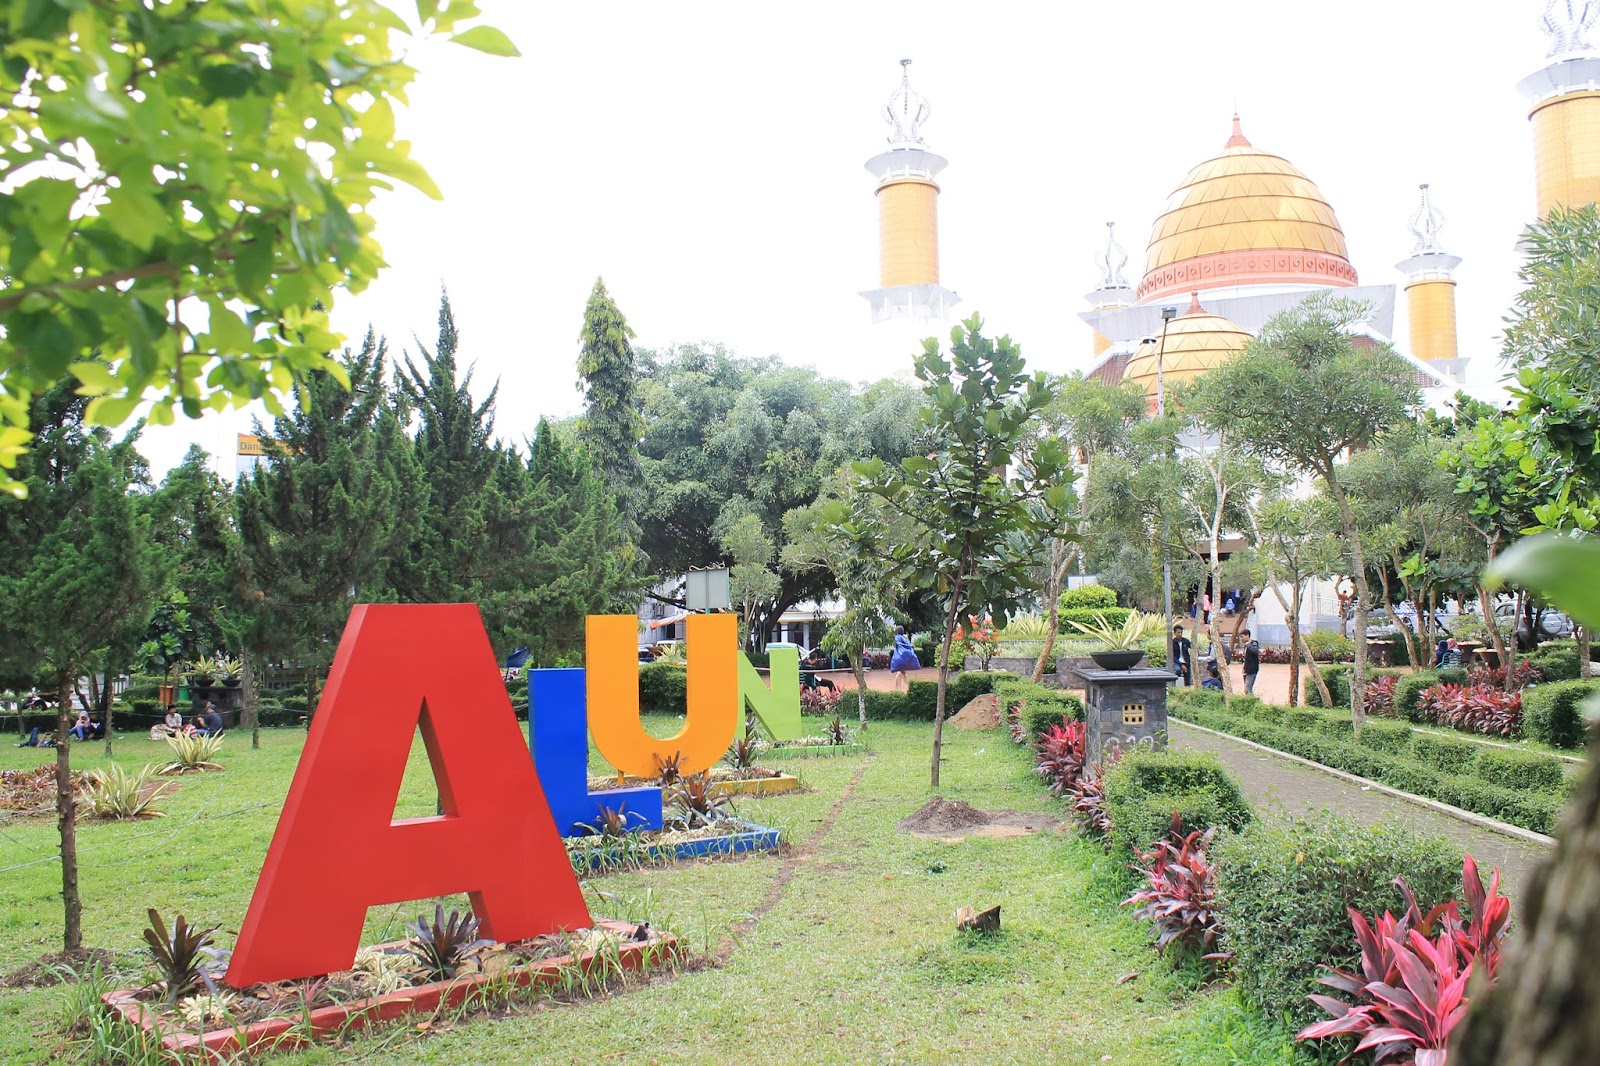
(1271,783)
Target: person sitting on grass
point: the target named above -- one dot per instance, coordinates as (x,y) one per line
(173,723)
(81,730)
(1213,678)
(209,724)
(97,727)
(36,741)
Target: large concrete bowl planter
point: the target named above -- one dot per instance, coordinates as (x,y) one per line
(1121,659)
(285,1032)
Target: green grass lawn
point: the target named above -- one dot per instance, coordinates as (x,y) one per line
(855,958)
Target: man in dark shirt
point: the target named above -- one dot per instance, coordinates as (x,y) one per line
(211,720)
(1252,661)
(1182,655)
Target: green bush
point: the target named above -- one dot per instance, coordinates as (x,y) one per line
(1088,596)
(1038,708)
(1334,725)
(143,706)
(1284,888)
(663,689)
(1089,616)
(1445,753)
(1557,660)
(1186,781)
(968,685)
(881,706)
(1337,677)
(1390,738)
(1186,697)
(1328,646)
(1406,691)
(922,700)
(1521,769)
(1553,712)
(926,645)
(148,692)
(1155,652)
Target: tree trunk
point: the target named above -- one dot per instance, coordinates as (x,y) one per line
(860,669)
(105,707)
(1541,1010)
(1509,660)
(1406,635)
(311,696)
(1316,675)
(1358,559)
(1294,645)
(944,667)
(250,716)
(67,818)
(1058,577)
(1486,605)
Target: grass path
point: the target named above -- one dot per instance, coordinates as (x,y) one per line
(841,950)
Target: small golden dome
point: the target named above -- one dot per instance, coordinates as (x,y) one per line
(1197,341)
(1244,217)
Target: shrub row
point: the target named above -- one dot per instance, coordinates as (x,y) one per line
(1284,887)
(1089,616)
(1145,789)
(1553,712)
(1031,709)
(1524,788)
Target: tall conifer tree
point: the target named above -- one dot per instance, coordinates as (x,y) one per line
(322,522)
(612,424)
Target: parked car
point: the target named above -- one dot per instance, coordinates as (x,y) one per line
(1552,623)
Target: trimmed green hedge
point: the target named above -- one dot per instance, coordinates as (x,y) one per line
(1144,788)
(1089,596)
(1441,768)
(1553,712)
(1089,616)
(1392,738)
(1284,888)
(663,689)
(1410,686)
(1522,769)
(1037,707)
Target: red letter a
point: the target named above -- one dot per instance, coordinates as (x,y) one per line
(337,849)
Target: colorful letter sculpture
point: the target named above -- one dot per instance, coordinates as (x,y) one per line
(612,659)
(777,706)
(558,732)
(337,849)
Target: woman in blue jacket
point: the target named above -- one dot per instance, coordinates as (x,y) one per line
(904,658)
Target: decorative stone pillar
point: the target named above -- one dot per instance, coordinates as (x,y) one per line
(1125,709)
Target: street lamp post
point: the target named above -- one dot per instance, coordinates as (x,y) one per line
(1167,315)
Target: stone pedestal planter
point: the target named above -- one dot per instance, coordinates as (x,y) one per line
(1124,709)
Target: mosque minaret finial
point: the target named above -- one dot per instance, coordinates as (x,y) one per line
(1566,21)
(1426,222)
(1112,260)
(906,110)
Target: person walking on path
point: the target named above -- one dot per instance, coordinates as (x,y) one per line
(1182,656)
(904,658)
(1252,660)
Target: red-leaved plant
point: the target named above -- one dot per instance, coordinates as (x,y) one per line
(1523,675)
(1380,695)
(1088,803)
(1412,988)
(1063,751)
(1472,709)
(1180,893)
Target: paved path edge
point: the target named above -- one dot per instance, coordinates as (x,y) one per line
(1516,832)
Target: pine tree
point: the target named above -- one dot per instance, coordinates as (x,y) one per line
(608,374)
(322,522)
(77,568)
(581,562)
(460,553)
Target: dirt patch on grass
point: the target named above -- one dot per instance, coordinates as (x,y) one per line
(981,712)
(956,819)
(52,969)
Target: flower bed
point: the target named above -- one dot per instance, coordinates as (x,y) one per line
(648,847)
(301,1020)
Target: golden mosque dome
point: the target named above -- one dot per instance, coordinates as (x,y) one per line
(1196,341)
(1245,217)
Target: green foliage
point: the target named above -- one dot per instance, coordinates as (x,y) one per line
(1284,889)
(1406,691)
(183,957)
(1037,708)
(663,689)
(1337,677)
(970,684)
(143,111)
(1557,660)
(608,374)
(1328,646)
(1069,618)
(1088,598)
(1521,769)
(1445,753)
(333,508)
(1391,738)
(1144,784)
(115,793)
(1555,712)
(1130,632)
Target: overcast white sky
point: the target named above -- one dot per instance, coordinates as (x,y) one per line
(707,160)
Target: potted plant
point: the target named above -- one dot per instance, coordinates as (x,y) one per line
(201,672)
(1121,651)
(230,671)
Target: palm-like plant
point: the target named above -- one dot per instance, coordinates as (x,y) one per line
(193,753)
(114,793)
(183,957)
(1135,628)
(445,945)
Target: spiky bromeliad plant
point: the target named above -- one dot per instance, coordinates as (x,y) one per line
(184,958)
(194,754)
(742,756)
(698,803)
(113,792)
(667,768)
(443,947)
(1135,628)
